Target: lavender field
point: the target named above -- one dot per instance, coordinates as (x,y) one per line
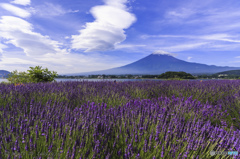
(107,120)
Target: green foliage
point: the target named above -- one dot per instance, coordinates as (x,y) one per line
(18,77)
(3,82)
(34,75)
(176,75)
(37,74)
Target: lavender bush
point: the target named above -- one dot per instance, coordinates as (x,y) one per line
(165,119)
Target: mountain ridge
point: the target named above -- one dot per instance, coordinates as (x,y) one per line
(160,63)
(4,73)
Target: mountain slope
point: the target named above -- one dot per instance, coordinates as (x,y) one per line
(3,73)
(231,72)
(158,63)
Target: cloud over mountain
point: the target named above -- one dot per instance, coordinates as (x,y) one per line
(160,52)
(108,28)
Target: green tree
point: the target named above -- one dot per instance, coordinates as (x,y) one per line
(176,75)
(34,75)
(18,77)
(37,74)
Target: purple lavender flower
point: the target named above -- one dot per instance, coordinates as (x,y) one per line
(162,153)
(26,147)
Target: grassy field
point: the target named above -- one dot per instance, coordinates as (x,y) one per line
(142,120)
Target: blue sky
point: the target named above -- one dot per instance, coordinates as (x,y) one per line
(72,36)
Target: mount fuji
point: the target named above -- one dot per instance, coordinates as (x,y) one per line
(161,62)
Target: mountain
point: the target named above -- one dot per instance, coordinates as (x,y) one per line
(231,72)
(157,63)
(3,73)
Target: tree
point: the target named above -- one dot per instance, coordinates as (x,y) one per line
(34,75)
(37,74)
(18,77)
(180,75)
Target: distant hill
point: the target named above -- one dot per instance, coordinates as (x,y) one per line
(180,75)
(4,73)
(159,63)
(231,72)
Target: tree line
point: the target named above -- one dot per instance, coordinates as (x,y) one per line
(166,75)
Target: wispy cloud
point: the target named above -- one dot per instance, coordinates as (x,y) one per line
(214,37)
(22,2)
(181,13)
(221,41)
(20,33)
(183,47)
(206,16)
(17,61)
(108,28)
(15,10)
(128,46)
(161,52)
(50,10)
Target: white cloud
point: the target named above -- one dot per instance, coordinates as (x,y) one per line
(204,16)
(220,37)
(202,25)
(108,28)
(50,10)
(216,37)
(189,58)
(220,41)
(237,57)
(22,2)
(182,13)
(127,46)
(116,3)
(15,10)
(223,47)
(41,50)
(184,46)
(17,61)
(11,24)
(19,33)
(161,52)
